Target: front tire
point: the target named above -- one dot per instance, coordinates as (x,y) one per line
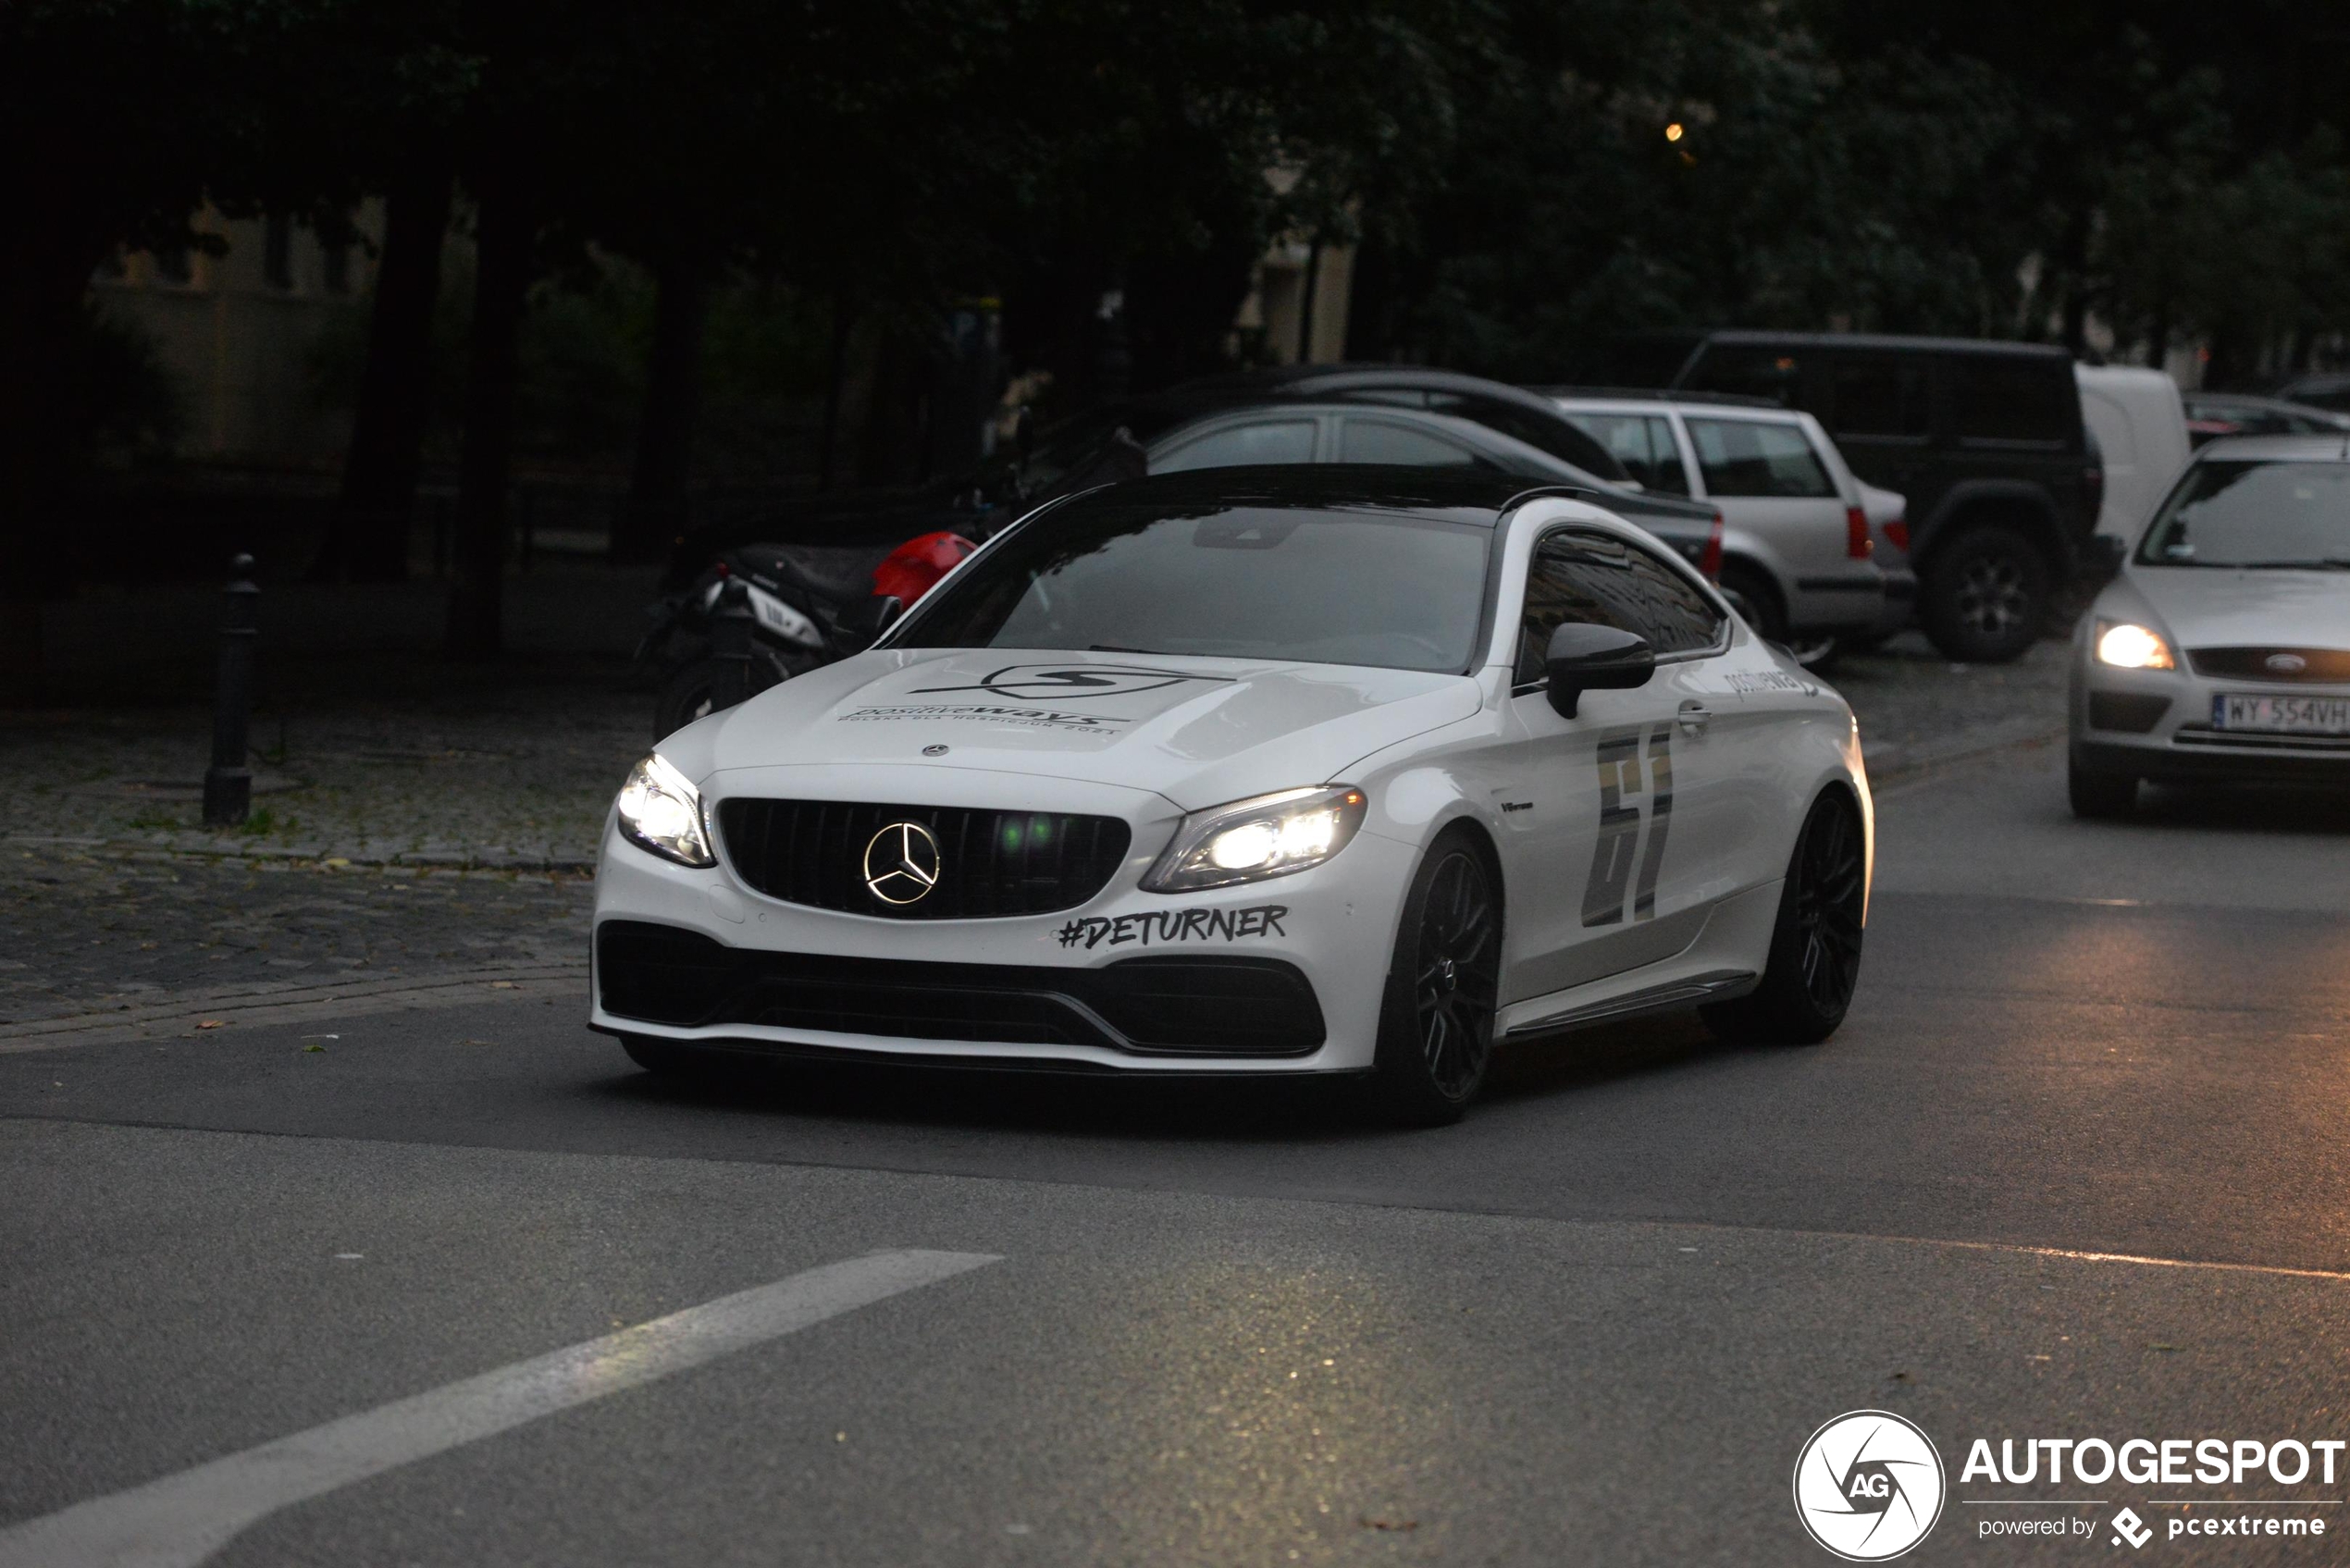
(1985,598)
(1436,1020)
(1814,961)
(2096,794)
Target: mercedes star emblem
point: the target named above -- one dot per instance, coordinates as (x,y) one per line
(901,863)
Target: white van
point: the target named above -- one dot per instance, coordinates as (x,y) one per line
(2141,429)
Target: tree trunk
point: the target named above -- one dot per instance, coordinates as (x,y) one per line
(505,232)
(654,517)
(44,270)
(395,389)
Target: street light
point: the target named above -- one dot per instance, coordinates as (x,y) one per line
(1673,132)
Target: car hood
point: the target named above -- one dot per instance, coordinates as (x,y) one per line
(1197,731)
(2219,607)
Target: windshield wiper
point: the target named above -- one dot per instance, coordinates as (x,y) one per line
(1113,647)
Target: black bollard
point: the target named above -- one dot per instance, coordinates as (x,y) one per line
(730,645)
(228,784)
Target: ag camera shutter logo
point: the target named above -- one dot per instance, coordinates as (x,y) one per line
(1869,1486)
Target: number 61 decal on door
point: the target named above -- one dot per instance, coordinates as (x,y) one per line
(1626,780)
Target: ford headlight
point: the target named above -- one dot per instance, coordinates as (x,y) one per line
(661,810)
(2127,646)
(1266,836)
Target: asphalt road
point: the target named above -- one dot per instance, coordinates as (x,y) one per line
(1118,1324)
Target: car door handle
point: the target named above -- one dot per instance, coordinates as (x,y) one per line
(1693,717)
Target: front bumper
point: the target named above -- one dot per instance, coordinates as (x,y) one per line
(2156,725)
(1282,976)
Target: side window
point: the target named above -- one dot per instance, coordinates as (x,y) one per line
(1377,440)
(1591,579)
(1880,396)
(1280,440)
(1642,443)
(1754,373)
(1999,399)
(1746,457)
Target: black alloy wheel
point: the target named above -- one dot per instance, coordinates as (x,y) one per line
(1830,900)
(1985,597)
(1436,1033)
(1814,963)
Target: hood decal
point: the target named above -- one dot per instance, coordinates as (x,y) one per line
(1067,683)
(986,713)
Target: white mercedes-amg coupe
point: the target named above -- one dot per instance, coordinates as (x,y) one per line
(1343,769)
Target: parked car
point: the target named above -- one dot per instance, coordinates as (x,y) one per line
(1985,439)
(1513,411)
(2326,390)
(1888,516)
(2138,424)
(1797,546)
(2221,650)
(2213,414)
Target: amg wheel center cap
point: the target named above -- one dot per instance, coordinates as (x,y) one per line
(902,863)
(1448,973)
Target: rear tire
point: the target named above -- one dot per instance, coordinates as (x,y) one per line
(686,694)
(1436,1020)
(2097,795)
(1984,598)
(1814,961)
(1756,599)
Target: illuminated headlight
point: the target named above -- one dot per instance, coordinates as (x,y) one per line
(2127,646)
(1268,835)
(661,810)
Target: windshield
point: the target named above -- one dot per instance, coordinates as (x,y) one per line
(2279,515)
(1226,581)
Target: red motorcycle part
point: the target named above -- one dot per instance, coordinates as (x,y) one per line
(913,568)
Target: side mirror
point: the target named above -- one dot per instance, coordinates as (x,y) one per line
(1585,658)
(874,616)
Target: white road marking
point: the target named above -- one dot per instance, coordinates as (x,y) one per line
(180,1520)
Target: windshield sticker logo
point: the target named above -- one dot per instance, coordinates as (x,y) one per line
(1167,927)
(1039,682)
(982,714)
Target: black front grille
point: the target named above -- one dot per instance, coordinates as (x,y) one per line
(2330,665)
(1161,1006)
(990,863)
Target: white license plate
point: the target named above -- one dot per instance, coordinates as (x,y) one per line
(2283,715)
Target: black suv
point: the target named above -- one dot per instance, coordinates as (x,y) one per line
(1984,439)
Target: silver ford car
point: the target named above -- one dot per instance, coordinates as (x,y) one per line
(2222,652)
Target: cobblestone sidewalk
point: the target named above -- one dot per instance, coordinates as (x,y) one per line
(422,836)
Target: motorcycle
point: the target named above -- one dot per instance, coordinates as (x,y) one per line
(808,606)
(811,605)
